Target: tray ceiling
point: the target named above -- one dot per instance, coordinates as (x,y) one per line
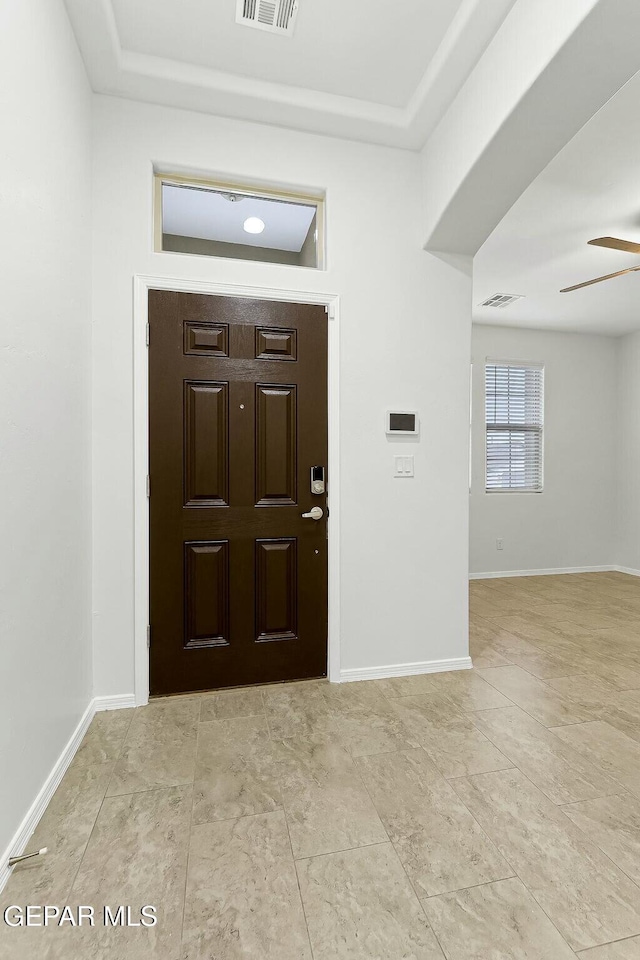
(369,70)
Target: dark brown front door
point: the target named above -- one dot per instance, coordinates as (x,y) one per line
(237,419)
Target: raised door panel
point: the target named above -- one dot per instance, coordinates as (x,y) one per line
(276,590)
(206,339)
(206,456)
(206,593)
(276,445)
(273,343)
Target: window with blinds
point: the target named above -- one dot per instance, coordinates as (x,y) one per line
(514,415)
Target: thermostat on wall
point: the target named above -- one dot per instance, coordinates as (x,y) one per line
(403,423)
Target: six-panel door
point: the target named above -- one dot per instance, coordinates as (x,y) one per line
(237,418)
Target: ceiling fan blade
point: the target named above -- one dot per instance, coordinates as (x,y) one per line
(609,276)
(627,245)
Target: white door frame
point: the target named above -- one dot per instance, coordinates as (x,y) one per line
(142,285)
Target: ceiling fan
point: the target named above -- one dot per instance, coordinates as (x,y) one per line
(627,245)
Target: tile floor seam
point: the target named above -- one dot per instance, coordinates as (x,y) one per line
(186,873)
(524,709)
(609,796)
(295,870)
(330,853)
(368,793)
(525,888)
(473,817)
(104,797)
(587,839)
(480,827)
(86,847)
(154,789)
(266,715)
(474,886)
(119,756)
(509,764)
(533,783)
(612,776)
(600,848)
(468,886)
(410,881)
(246,816)
(583,954)
(521,879)
(186,876)
(421,904)
(333,853)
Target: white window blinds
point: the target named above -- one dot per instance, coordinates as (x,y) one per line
(514,414)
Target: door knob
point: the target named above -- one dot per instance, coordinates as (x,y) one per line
(316,513)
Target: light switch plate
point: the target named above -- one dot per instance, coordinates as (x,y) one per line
(403,466)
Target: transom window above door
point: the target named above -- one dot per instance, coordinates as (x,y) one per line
(210,219)
(514,418)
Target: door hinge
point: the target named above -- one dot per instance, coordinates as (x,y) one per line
(148,485)
(148,334)
(148,635)
(331,311)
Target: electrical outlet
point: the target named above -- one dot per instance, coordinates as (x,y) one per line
(499,544)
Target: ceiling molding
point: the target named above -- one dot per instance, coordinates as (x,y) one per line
(117,71)
(470,33)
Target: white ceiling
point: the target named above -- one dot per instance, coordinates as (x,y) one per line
(208,215)
(383,71)
(591,189)
(373,52)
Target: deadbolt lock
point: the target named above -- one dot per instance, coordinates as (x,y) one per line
(317,480)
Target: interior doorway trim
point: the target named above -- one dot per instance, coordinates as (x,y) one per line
(141,286)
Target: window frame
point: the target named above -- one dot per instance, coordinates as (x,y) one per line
(248,189)
(540,430)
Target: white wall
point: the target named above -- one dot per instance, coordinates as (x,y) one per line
(628,461)
(404,341)
(44,397)
(572,523)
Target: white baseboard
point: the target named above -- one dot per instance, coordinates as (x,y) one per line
(546,572)
(629,570)
(23,833)
(122,702)
(405,669)
(39,805)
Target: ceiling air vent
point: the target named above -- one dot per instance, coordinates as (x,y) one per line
(501,300)
(275,16)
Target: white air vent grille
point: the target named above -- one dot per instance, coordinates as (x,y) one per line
(276,16)
(501,300)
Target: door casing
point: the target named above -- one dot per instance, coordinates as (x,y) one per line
(142,285)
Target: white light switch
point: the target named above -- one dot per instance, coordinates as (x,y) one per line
(403,466)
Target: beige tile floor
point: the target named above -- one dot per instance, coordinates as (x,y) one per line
(491,814)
